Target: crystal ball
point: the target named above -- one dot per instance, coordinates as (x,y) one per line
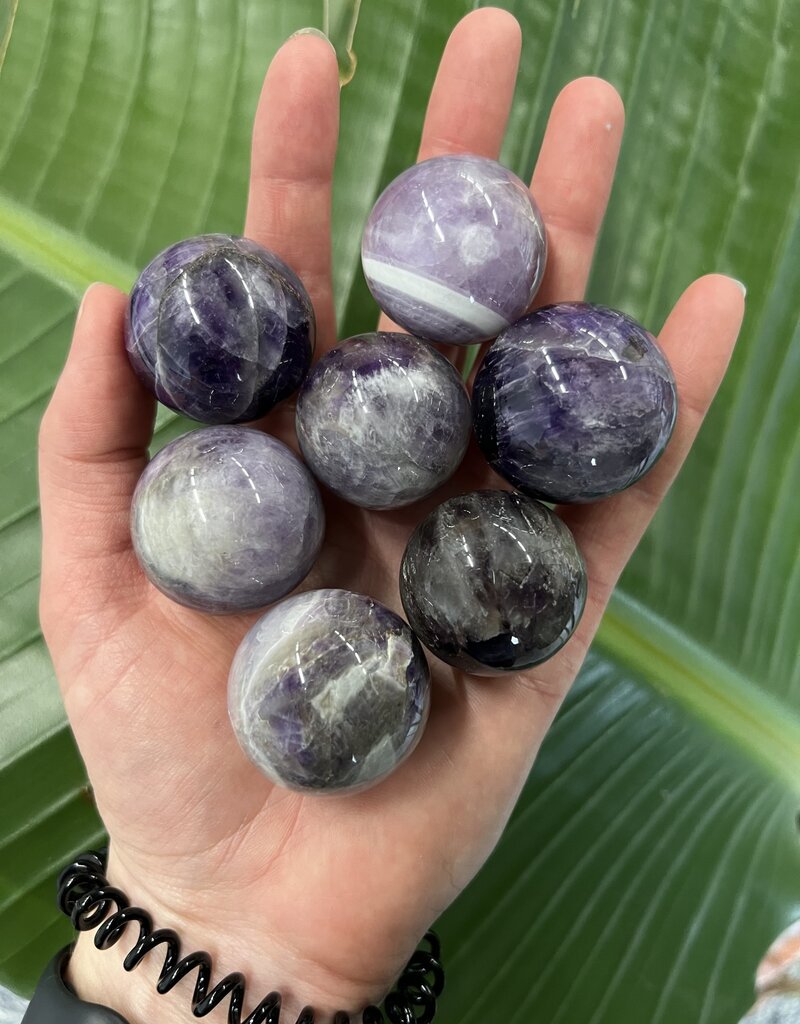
(383,420)
(329,692)
(226,519)
(493,582)
(574,402)
(219,328)
(454,249)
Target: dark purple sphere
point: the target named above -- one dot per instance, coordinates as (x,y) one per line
(574,402)
(219,328)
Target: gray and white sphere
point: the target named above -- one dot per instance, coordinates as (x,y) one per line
(493,582)
(383,420)
(329,692)
(226,519)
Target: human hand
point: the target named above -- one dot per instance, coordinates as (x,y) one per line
(320,898)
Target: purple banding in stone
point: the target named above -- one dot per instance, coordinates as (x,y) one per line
(574,402)
(219,328)
(454,249)
(383,420)
(329,692)
(226,519)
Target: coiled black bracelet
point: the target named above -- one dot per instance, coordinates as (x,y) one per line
(85,896)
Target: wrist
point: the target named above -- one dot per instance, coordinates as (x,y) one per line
(98,975)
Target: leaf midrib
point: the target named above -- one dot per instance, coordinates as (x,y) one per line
(763,728)
(760,726)
(68,260)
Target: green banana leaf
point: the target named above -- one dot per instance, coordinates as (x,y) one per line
(654,854)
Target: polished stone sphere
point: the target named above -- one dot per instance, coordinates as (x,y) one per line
(574,402)
(454,249)
(219,328)
(493,582)
(329,692)
(383,420)
(226,519)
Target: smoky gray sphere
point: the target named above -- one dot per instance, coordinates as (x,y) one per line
(493,582)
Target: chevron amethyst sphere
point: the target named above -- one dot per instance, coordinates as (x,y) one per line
(219,328)
(493,582)
(574,402)
(383,420)
(454,249)
(226,519)
(329,691)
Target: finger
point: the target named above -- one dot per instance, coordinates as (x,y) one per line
(511,716)
(572,181)
(92,446)
(698,339)
(294,147)
(471,96)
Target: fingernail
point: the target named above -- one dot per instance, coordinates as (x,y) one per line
(83,301)
(741,284)
(310,31)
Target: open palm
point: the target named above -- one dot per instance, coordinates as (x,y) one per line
(322,898)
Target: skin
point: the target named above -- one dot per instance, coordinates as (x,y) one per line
(323,899)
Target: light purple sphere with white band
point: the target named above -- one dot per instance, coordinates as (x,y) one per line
(454,249)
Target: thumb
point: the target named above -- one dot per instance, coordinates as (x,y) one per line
(92,448)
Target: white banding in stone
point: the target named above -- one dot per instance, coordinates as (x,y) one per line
(438,296)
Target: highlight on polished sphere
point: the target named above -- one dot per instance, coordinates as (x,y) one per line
(329,692)
(219,328)
(226,519)
(454,249)
(383,420)
(574,402)
(493,582)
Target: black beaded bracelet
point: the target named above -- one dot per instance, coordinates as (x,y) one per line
(85,896)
